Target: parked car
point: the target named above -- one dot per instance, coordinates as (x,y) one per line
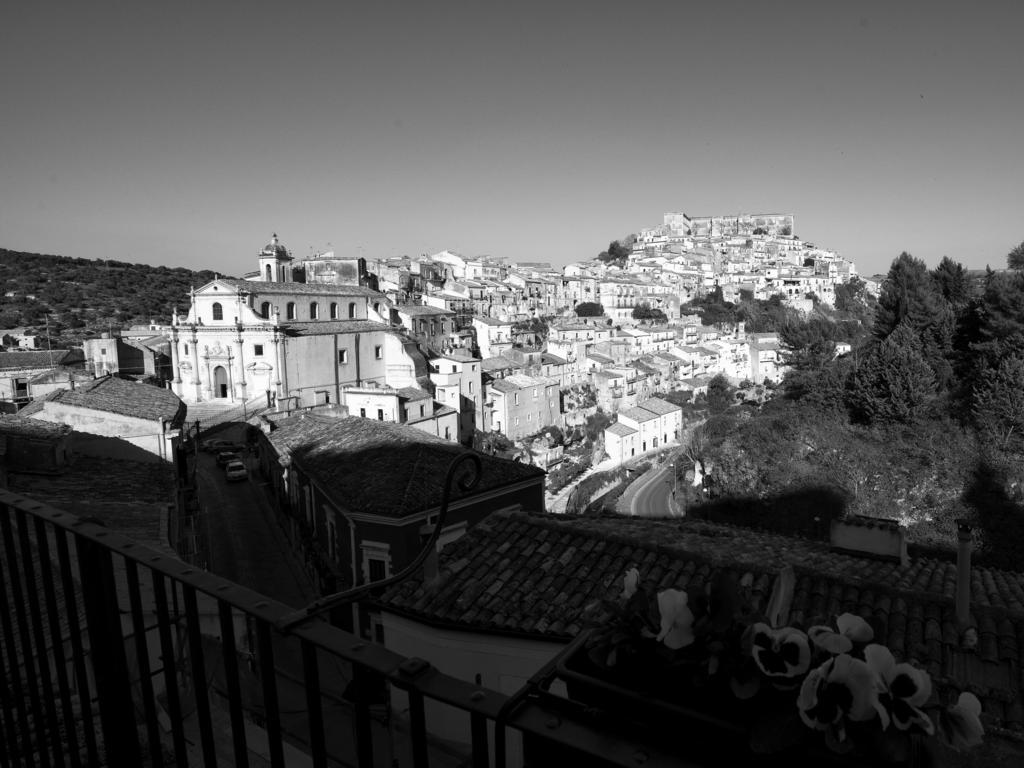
(226,457)
(235,470)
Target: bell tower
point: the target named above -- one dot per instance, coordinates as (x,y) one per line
(275,263)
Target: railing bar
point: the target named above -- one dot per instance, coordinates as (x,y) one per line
(57,641)
(227,634)
(77,652)
(478,732)
(36,616)
(314,706)
(14,687)
(142,658)
(418,729)
(271,709)
(199,680)
(18,596)
(170,670)
(106,648)
(364,732)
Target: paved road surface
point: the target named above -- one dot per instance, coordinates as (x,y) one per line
(653,497)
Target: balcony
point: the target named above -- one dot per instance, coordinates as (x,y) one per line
(115,654)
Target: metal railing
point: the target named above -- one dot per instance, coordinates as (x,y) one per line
(120,655)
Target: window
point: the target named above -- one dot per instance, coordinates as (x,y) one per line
(362,413)
(471,387)
(314,311)
(342,356)
(455,369)
(265,309)
(185,347)
(376,307)
(517,421)
(378,352)
(377,569)
(447,433)
(334,310)
(380,414)
(421,410)
(517,398)
(103,353)
(257,350)
(290,310)
(218,311)
(535,394)
(351,309)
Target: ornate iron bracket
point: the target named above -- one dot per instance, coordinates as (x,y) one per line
(468,480)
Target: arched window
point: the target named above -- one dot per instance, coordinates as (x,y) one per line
(265,309)
(218,311)
(290,314)
(314,311)
(376,307)
(270,274)
(351,309)
(334,310)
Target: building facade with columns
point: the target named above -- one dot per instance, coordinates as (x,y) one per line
(243,339)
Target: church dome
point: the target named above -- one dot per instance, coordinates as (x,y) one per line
(274,248)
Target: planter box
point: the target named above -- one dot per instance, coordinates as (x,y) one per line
(703,727)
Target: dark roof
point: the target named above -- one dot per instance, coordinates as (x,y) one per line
(323,327)
(413,393)
(23,427)
(497,363)
(620,429)
(34,359)
(382,468)
(421,309)
(548,359)
(318,289)
(114,395)
(545,577)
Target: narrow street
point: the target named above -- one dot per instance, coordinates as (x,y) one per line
(654,497)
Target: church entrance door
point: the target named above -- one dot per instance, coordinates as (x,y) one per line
(220,382)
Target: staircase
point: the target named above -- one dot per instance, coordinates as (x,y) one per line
(210,414)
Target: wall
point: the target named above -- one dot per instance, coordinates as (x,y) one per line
(127,437)
(504,664)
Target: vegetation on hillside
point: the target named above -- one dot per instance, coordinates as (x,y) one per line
(922,422)
(77,298)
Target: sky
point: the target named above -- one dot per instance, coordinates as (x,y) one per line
(185,134)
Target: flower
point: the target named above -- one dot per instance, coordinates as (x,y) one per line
(843,688)
(960,724)
(852,629)
(907,688)
(629,583)
(780,653)
(676,619)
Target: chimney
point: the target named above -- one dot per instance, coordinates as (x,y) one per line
(963,573)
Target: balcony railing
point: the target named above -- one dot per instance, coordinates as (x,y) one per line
(116,654)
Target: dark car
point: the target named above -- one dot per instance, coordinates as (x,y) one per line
(225,457)
(235,470)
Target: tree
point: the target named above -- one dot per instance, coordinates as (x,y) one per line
(951,280)
(909,295)
(809,346)
(596,424)
(719,394)
(589,309)
(998,407)
(894,383)
(1015,258)
(644,311)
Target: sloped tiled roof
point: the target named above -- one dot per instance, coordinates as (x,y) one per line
(317,289)
(620,429)
(24,427)
(322,327)
(659,406)
(545,577)
(416,310)
(638,414)
(497,363)
(381,468)
(114,395)
(33,359)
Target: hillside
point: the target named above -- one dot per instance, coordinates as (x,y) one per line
(84,297)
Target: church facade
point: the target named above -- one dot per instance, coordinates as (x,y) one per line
(272,336)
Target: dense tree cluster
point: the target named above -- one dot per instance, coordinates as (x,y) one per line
(589,309)
(923,421)
(75,298)
(645,311)
(618,251)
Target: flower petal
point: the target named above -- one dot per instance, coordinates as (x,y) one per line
(911,684)
(855,628)
(962,722)
(629,582)
(676,619)
(881,661)
(829,641)
(862,684)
